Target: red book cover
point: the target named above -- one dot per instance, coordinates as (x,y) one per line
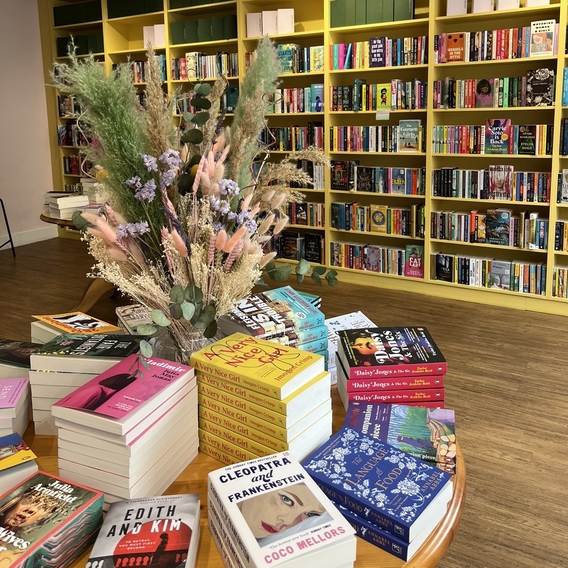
(398,397)
(395,384)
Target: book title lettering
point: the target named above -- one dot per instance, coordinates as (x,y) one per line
(138,515)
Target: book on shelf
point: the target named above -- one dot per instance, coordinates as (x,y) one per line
(409,135)
(389,351)
(271,504)
(484,93)
(426,433)
(498,226)
(527,140)
(258,364)
(163,529)
(540,87)
(455,47)
(314,247)
(414,261)
(17,461)
(392,489)
(73,322)
(543,38)
(84,353)
(501,179)
(445,267)
(67,518)
(499,275)
(120,397)
(15,357)
(498,136)
(378,218)
(271,313)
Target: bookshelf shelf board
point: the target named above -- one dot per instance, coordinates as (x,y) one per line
(492,110)
(288,38)
(381,235)
(525,60)
(561,253)
(562,205)
(137,52)
(66,57)
(390,29)
(198,80)
(533,12)
(382,274)
(204,8)
(308,74)
(80,26)
(223,43)
(73,175)
(391,154)
(393,69)
(490,201)
(138,20)
(380,111)
(494,156)
(487,246)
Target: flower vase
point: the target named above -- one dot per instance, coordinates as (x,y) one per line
(166,348)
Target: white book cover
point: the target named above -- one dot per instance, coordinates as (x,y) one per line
(277,514)
(270,22)
(285,20)
(254,24)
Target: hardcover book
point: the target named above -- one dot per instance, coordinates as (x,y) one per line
(271,313)
(409,135)
(392,489)
(271,504)
(314,247)
(67,516)
(527,139)
(119,398)
(378,218)
(164,530)
(425,433)
(78,323)
(389,351)
(484,93)
(540,87)
(267,367)
(498,226)
(455,47)
(414,261)
(498,132)
(501,182)
(377,52)
(499,275)
(445,267)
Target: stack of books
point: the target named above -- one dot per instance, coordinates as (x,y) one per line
(64,207)
(50,326)
(257,397)
(15,358)
(281,315)
(15,405)
(269,512)
(401,365)
(130,431)
(391,498)
(154,531)
(69,361)
(352,320)
(17,462)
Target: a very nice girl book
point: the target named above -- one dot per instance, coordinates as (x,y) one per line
(47,521)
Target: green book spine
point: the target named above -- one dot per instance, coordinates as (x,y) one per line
(349,13)
(337,13)
(388,10)
(191,31)
(230,26)
(360,12)
(217,28)
(177,32)
(204,29)
(403,10)
(374,11)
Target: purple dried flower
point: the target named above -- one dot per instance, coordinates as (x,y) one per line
(150,162)
(147,192)
(228,187)
(171,158)
(125,230)
(133,182)
(167,178)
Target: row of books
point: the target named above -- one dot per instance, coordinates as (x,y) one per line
(407,261)
(229,101)
(497,136)
(197,65)
(379,52)
(561,236)
(560,282)
(71,134)
(535,89)
(564,137)
(139,69)
(378,218)
(75,165)
(396,95)
(540,39)
(270,22)
(302,213)
(297,59)
(407,136)
(68,106)
(293,138)
(515,276)
(293,245)
(498,226)
(298,99)
(215,28)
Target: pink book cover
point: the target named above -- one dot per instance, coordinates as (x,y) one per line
(398,397)
(393,384)
(11,390)
(125,387)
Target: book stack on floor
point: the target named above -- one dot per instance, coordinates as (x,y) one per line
(130,431)
(15,406)
(257,397)
(391,498)
(17,462)
(352,320)
(154,531)
(50,326)
(425,433)
(15,358)
(65,521)
(281,315)
(67,362)
(399,365)
(269,512)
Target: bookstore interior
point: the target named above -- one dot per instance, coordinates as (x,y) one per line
(219,186)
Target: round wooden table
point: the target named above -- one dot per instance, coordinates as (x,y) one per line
(194,480)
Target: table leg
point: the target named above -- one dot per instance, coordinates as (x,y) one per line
(95,290)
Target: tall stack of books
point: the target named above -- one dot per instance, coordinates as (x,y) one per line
(63,207)
(48,327)
(352,320)
(269,512)
(15,358)
(15,406)
(391,498)
(401,365)
(281,315)
(48,521)
(130,431)
(69,361)
(257,397)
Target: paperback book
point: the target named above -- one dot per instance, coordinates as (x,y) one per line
(77,322)
(540,87)
(425,433)
(17,461)
(164,530)
(484,93)
(498,226)
(409,135)
(13,397)
(392,489)
(498,136)
(414,261)
(389,351)
(15,357)
(542,38)
(501,182)
(271,504)
(131,316)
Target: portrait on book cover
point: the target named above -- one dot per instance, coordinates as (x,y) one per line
(275,515)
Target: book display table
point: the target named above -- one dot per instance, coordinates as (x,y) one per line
(194,480)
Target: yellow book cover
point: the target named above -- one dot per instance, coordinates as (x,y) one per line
(297,404)
(383,96)
(264,366)
(229,452)
(78,323)
(237,438)
(14,451)
(378,218)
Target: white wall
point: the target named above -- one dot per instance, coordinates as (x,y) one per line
(25,163)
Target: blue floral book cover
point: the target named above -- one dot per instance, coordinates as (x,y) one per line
(390,488)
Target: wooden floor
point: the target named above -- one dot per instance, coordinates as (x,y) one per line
(507,381)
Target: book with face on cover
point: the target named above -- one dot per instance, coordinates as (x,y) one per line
(15,357)
(273,514)
(164,529)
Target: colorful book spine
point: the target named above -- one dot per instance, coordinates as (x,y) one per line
(400,383)
(397,397)
(238,439)
(221,450)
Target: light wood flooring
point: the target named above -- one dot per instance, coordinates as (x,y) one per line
(507,381)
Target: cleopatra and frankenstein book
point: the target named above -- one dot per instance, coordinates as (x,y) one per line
(47,521)
(389,352)
(152,531)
